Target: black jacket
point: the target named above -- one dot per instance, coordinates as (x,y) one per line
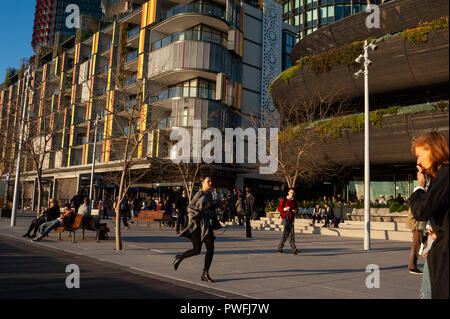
(433,205)
(52,213)
(181,204)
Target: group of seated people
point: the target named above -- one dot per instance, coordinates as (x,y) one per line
(50,219)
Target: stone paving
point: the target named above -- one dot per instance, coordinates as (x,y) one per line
(328,267)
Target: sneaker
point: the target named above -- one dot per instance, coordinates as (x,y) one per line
(415,271)
(37,239)
(126,227)
(281,251)
(297,251)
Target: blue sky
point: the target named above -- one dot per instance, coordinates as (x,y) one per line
(16,29)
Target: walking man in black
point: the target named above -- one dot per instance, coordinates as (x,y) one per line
(181,210)
(288,207)
(249,211)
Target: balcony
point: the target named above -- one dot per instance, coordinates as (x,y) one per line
(133,32)
(130,81)
(181,92)
(190,35)
(131,56)
(190,15)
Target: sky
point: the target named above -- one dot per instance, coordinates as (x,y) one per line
(16,30)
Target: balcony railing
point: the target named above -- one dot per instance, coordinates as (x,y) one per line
(133,32)
(131,56)
(199,92)
(190,35)
(130,81)
(210,9)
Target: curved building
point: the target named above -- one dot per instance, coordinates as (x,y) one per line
(408,86)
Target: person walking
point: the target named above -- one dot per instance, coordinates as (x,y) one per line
(200,229)
(124,209)
(288,207)
(417,229)
(249,211)
(432,204)
(240,208)
(181,209)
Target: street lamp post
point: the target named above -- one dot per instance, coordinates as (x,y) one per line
(366,62)
(19,155)
(93,162)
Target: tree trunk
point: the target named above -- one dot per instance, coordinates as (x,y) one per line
(39,180)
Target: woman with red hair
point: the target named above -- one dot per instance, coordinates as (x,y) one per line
(432,204)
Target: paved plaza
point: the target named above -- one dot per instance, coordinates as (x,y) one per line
(329,267)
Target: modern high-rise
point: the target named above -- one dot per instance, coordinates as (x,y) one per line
(309,15)
(50,19)
(206,61)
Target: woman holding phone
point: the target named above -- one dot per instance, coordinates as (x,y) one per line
(432,204)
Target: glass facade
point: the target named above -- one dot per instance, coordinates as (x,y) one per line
(386,186)
(309,15)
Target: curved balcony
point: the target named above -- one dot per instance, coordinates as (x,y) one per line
(190,35)
(183,60)
(192,14)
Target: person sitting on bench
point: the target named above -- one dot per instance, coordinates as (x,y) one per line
(67,218)
(48,215)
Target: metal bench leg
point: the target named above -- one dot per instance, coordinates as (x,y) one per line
(73,237)
(83,233)
(59,235)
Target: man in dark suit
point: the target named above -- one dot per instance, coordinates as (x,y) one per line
(329,215)
(249,211)
(181,209)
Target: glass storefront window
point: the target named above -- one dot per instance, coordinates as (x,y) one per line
(339,12)
(355,8)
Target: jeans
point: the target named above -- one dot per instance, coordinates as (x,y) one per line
(49,226)
(426,284)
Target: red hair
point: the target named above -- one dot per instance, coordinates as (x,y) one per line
(438,145)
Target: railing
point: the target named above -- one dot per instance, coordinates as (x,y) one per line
(133,32)
(175,92)
(210,9)
(131,56)
(130,81)
(190,35)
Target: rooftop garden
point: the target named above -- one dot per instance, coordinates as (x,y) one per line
(346,55)
(333,127)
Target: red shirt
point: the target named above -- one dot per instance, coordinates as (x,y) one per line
(284,203)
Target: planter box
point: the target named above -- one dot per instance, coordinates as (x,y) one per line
(378,215)
(273,214)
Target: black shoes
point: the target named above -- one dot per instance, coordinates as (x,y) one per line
(415,271)
(205,276)
(26,235)
(177,262)
(297,251)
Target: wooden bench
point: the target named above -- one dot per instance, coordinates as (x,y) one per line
(72,229)
(149,216)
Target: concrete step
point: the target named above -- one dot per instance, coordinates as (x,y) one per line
(379,230)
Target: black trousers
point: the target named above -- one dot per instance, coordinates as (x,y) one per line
(288,233)
(314,218)
(35,224)
(123,214)
(248,227)
(181,220)
(197,247)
